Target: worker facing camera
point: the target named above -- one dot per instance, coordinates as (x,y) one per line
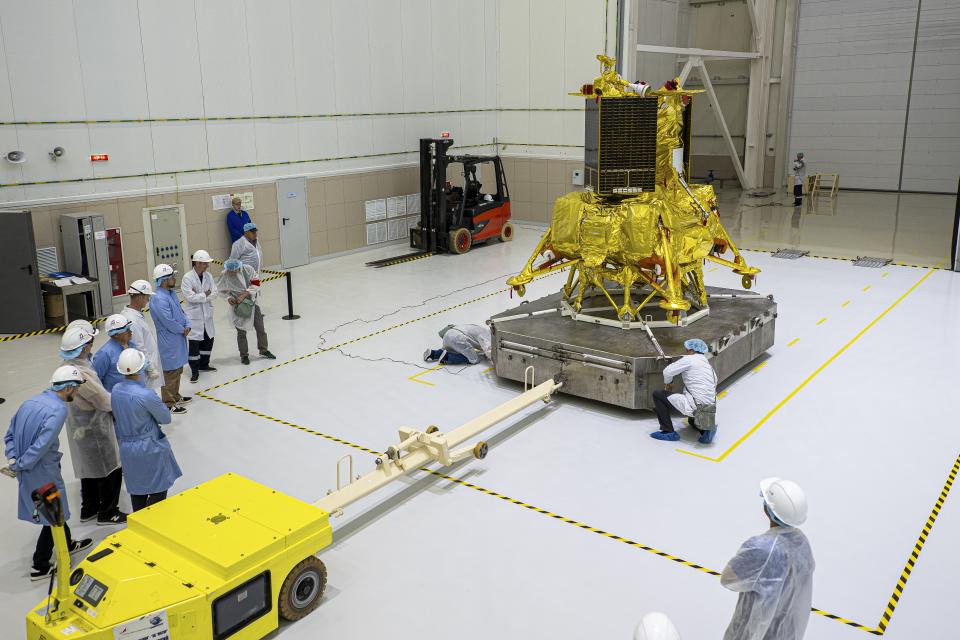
(698,402)
(462,344)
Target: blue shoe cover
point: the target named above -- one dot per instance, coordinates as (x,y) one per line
(671,436)
(707,436)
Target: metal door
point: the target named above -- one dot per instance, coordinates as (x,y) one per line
(166,243)
(294,225)
(19,279)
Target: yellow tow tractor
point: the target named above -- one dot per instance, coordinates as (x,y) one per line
(227,558)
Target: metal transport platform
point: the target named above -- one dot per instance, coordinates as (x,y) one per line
(623,366)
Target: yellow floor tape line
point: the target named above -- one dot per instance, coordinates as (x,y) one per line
(416,377)
(809,378)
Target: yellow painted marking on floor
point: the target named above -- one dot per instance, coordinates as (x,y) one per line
(721,395)
(712,270)
(793,342)
(813,375)
(415,377)
(866,288)
(486,371)
(885,274)
(821,321)
(845,303)
(760,366)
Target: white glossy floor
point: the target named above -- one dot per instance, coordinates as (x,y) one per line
(853,403)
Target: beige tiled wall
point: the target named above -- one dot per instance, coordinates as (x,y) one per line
(335,206)
(535,183)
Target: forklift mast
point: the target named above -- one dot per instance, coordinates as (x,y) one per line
(434,223)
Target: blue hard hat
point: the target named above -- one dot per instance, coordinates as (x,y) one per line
(696,344)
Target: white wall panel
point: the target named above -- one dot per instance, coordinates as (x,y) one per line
(37,142)
(356,139)
(547,55)
(224,58)
(352,71)
(472,63)
(271,57)
(932,148)
(108,37)
(179,145)
(6,98)
(43,62)
(853,55)
(418,87)
(318,139)
(445,58)
(171,58)
(130,147)
(315,58)
(386,49)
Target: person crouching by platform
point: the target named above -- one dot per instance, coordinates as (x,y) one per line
(145,452)
(90,435)
(32,447)
(462,344)
(699,397)
(199,291)
(240,284)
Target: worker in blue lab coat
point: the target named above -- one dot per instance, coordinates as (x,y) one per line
(32,447)
(105,359)
(236,218)
(172,330)
(145,453)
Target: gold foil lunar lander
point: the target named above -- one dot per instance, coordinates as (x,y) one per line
(639,231)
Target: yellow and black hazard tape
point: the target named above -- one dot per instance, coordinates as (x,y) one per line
(368,335)
(519,503)
(917,548)
(402,260)
(60,329)
(253,165)
(294,116)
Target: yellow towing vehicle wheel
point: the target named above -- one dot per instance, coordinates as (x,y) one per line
(303,588)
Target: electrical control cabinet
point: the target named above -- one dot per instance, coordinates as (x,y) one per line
(166,237)
(85,253)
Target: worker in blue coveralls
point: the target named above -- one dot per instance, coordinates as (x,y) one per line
(105,359)
(32,448)
(236,218)
(145,453)
(172,330)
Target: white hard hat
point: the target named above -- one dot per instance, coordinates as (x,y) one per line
(74,337)
(786,501)
(656,626)
(162,271)
(140,286)
(130,362)
(66,373)
(86,326)
(116,321)
(201,256)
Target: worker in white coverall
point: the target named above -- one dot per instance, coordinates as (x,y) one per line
(199,291)
(462,344)
(773,572)
(143,337)
(247,248)
(240,285)
(699,391)
(90,435)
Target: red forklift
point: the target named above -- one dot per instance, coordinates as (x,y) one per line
(455,218)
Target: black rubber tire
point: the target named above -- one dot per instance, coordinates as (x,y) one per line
(309,578)
(460,240)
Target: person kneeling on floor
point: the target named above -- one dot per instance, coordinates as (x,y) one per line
(462,344)
(241,285)
(699,398)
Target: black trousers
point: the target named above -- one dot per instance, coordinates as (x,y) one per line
(199,357)
(41,557)
(797,193)
(100,496)
(142,502)
(662,406)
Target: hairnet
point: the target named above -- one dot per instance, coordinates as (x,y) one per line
(696,344)
(159,281)
(250,226)
(232,264)
(118,331)
(73,353)
(60,386)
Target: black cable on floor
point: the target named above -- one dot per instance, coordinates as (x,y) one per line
(445,369)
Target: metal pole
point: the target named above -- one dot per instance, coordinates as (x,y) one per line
(290,314)
(955,249)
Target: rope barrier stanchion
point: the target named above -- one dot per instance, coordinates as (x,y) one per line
(290,314)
